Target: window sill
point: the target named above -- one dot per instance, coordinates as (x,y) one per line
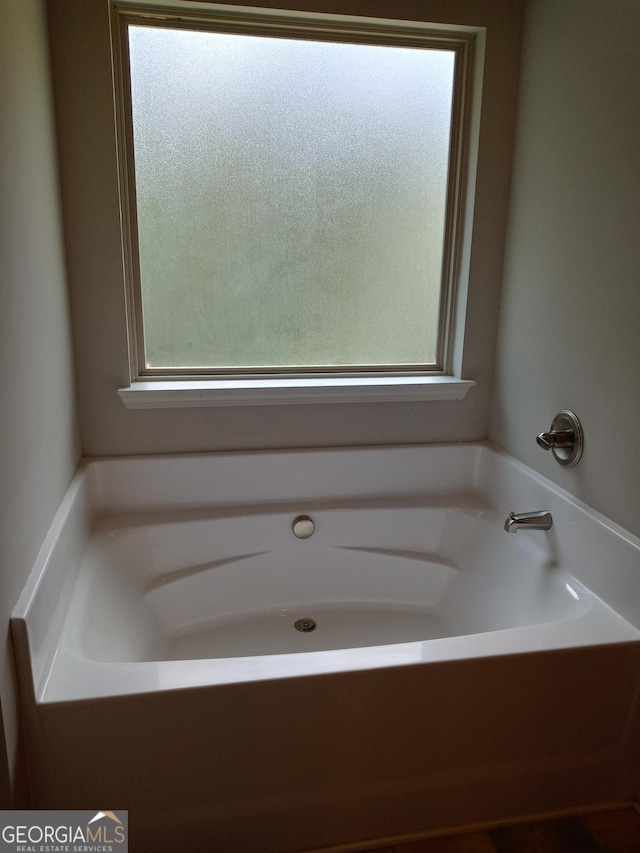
(273,391)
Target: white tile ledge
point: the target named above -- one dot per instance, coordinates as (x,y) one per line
(274,391)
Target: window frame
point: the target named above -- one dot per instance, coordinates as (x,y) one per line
(156,387)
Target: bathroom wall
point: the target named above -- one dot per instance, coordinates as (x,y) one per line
(39,445)
(83,87)
(570,314)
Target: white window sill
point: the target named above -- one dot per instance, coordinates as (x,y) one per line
(273,391)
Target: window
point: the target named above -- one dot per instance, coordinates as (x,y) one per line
(293,191)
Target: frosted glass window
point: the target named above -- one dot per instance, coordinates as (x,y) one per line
(291,200)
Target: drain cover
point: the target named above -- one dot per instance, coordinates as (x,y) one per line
(305,625)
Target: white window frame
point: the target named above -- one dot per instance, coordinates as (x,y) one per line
(179,388)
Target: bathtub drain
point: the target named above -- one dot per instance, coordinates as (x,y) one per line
(305,625)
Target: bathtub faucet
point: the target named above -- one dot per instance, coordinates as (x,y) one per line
(528,521)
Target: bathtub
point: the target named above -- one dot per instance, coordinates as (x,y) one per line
(407,669)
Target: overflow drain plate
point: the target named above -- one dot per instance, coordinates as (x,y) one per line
(305,625)
(303,527)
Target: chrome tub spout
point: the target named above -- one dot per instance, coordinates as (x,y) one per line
(528,521)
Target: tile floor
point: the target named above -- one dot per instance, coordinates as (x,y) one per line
(606,832)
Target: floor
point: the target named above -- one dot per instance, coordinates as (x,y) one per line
(606,832)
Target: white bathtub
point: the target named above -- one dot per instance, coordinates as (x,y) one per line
(456,675)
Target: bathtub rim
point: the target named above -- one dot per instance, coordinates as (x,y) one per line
(73,679)
(52,670)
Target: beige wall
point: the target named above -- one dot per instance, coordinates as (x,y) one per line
(82,78)
(39,447)
(570,315)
